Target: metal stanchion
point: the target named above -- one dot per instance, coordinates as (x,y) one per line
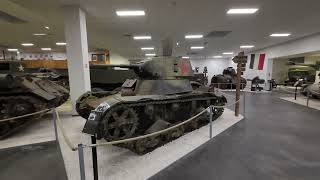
(211,114)
(308,97)
(54,116)
(94,158)
(81,162)
(295,93)
(244,104)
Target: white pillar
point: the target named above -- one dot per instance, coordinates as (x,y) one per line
(77,52)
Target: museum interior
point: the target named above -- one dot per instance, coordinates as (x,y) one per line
(159,89)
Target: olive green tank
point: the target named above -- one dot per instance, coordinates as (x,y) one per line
(160,97)
(25,94)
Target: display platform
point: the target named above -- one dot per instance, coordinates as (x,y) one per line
(313,103)
(119,163)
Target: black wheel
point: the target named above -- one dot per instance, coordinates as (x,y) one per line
(120,124)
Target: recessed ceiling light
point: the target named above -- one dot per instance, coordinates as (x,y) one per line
(247,46)
(47,27)
(243,11)
(130,13)
(12,50)
(61,43)
(227,53)
(39,34)
(217,56)
(196,36)
(27,44)
(280,34)
(141,37)
(46,49)
(147,48)
(150,54)
(185,57)
(196,47)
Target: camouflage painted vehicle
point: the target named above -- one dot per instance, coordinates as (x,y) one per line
(305,72)
(25,94)
(161,96)
(227,80)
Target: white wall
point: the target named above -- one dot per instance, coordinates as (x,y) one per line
(307,44)
(215,66)
(117,59)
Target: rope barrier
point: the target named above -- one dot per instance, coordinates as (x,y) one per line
(64,135)
(74,148)
(25,115)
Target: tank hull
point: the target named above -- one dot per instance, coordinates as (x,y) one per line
(117,117)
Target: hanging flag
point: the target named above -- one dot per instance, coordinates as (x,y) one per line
(252,61)
(261,61)
(257,61)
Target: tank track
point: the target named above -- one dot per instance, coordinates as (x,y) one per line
(144,146)
(9,127)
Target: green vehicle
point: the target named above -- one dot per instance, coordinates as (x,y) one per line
(159,97)
(297,72)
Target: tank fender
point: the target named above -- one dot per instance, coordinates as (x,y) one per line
(92,123)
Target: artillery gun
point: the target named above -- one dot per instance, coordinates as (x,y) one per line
(160,97)
(25,94)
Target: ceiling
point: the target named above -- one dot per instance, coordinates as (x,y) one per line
(164,18)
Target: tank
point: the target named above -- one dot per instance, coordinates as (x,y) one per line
(228,79)
(25,94)
(161,96)
(304,72)
(312,89)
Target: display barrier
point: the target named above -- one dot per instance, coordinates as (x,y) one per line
(94,145)
(296,93)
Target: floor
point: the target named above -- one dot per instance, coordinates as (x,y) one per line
(41,161)
(116,163)
(276,140)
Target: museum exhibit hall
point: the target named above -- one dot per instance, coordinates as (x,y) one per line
(159,90)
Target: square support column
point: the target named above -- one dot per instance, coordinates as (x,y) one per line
(77,52)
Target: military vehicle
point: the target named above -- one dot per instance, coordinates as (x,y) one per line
(25,94)
(160,97)
(312,89)
(201,78)
(301,71)
(255,84)
(227,80)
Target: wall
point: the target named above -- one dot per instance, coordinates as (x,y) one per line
(214,66)
(280,70)
(117,59)
(308,44)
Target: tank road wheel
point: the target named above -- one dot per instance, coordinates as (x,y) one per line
(120,124)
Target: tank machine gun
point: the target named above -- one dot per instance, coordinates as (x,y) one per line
(161,96)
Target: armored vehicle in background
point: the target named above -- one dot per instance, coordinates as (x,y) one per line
(25,94)
(227,80)
(160,97)
(304,72)
(312,90)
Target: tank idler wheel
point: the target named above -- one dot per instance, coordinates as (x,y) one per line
(120,124)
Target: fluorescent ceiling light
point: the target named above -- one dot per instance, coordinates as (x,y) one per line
(197,36)
(185,57)
(39,34)
(47,27)
(227,53)
(150,54)
(141,37)
(242,11)
(46,49)
(12,50)
(280,34)
(196,47)
(217,56)
(61,43)
(247,46)
(147,48)
(130,13)
(27,44)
